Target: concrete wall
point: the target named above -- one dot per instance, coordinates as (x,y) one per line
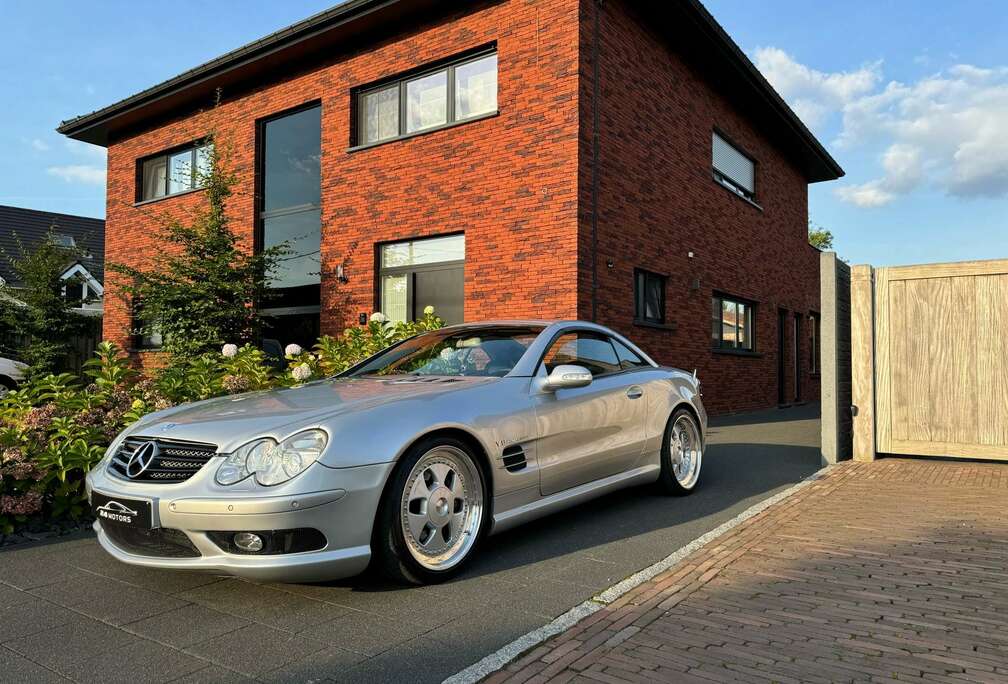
(835,354)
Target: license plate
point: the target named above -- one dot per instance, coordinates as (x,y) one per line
(116,510)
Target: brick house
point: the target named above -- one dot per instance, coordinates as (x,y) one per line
(610,161)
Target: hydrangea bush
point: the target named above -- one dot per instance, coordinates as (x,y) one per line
(54,429)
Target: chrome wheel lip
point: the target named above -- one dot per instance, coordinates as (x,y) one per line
(685,451)
(423,524)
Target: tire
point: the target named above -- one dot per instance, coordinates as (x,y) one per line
(433,513)
(6,386)
(681,443)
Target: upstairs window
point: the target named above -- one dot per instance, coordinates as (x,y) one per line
(733,168)
(732,324)
(174,172)
(649,297)
(461,90)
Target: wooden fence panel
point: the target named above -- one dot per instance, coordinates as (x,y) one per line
(940,347)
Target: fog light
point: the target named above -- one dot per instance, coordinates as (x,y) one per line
(248,541)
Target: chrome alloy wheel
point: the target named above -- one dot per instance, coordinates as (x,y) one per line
(442,507)
(686,451)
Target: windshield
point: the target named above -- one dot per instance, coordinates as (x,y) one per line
(486,352)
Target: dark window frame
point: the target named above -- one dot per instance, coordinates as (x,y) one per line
(640,305)
(752,309)
(728,182)
(400,80)
(259,182)
(381,271)
(167,154)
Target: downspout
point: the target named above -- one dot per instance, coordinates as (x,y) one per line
(595,162)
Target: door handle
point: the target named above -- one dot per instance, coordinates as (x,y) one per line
(635,392)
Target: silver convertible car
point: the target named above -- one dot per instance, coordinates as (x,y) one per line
(405,461)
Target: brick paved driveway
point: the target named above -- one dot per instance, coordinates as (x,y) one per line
(896,569)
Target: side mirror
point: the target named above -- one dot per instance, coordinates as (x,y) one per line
(567,377)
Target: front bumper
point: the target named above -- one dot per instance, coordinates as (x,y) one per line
(339,502)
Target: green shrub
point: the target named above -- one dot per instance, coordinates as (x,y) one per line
(53,429)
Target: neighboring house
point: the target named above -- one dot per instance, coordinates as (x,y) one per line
(622,162)
(82,276)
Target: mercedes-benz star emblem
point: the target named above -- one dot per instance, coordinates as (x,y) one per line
(141,459)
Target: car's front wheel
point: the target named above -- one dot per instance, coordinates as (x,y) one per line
(432,513)
(682,453)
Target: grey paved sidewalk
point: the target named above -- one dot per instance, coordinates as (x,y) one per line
(68,610)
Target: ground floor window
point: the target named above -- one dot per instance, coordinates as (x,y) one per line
(649,297)
(419,273)
(732,323)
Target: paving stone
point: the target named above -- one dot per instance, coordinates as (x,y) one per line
(31,617)
(32,566)
(16,668)
(143,661)
(185,626)
(258,603)
(63,648)
(326,665)
(107,599)
(364,633)
(257,649)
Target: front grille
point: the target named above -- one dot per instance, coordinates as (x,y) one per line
(161,542)
(175,461)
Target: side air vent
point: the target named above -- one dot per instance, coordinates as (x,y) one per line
(514,458)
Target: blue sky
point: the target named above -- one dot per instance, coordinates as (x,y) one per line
(910,96)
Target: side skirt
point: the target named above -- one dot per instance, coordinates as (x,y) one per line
(573,496)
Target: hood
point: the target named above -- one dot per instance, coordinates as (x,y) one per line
(232,421)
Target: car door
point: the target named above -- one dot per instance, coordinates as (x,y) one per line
(592,432)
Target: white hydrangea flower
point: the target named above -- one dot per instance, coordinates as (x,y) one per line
(378,317)
(301,372)
(428,310)
(229,351)
(293,350)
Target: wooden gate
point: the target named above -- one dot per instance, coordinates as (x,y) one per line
(930,360)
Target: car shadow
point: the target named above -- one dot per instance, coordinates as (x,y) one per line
(735,476)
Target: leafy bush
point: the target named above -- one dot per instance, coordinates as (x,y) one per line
(54,429)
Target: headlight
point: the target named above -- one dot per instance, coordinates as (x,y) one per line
(273,463)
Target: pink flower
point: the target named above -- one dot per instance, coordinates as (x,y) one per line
(26,504)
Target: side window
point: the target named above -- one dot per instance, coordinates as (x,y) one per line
(628,360)
(590,350)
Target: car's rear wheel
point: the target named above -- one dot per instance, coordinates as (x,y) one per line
(432,514)
(682,453)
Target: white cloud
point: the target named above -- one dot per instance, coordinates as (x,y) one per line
(870,194)
(947,131)
(40,145)
(813,94)
(79,173)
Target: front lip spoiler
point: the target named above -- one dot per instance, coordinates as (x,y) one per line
(312,566)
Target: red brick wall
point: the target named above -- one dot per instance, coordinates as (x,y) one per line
(508,182)
(657,202)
